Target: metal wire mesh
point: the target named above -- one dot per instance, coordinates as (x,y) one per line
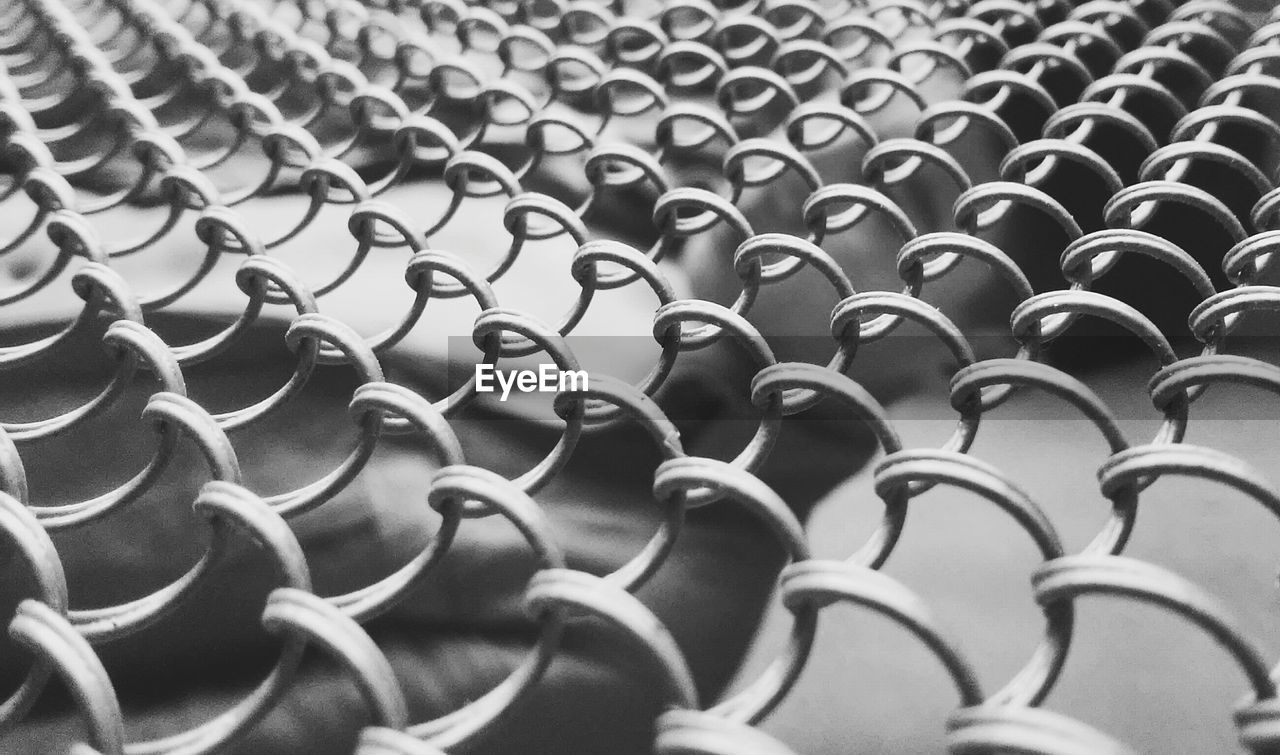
(684,109)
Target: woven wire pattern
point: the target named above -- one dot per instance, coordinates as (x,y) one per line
(638,97)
